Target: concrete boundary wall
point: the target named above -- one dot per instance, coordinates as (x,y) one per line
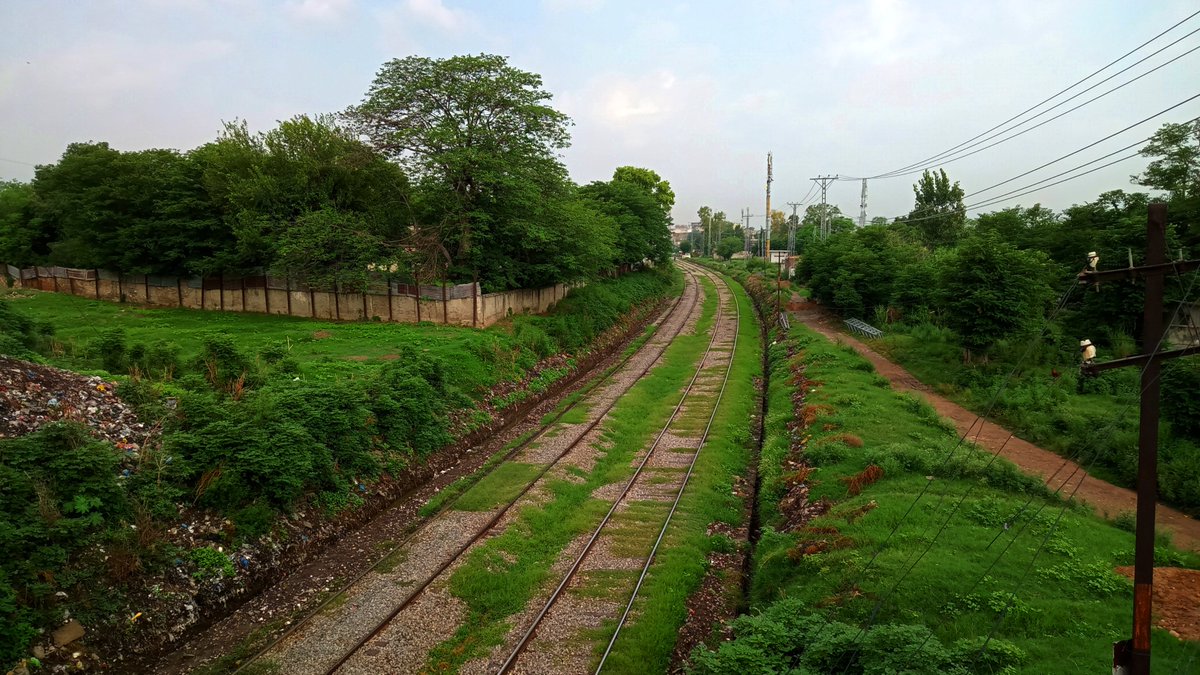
(460,305)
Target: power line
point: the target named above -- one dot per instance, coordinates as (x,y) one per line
(1090,145)
(948,160)
(1044,101)
(991,201)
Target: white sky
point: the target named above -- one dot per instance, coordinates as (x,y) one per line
(698,91)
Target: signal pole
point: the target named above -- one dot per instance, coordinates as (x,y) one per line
(862,206)
(1133,656)
(824,182)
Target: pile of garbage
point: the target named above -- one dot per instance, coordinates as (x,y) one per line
(33,395)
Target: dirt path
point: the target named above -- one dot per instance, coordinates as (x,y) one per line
(1108,500)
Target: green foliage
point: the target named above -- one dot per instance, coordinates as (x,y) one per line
(991,291)
(19,335)
(211,564)
(643,233)
(788,638)
(59,496)
(1181,404)
(939,216)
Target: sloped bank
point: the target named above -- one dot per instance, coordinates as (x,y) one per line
(161,605)
(889,546)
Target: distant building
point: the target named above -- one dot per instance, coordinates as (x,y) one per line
(680,232)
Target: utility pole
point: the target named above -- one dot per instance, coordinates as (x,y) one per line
(1133,656)
(766,245)
(824,182)
(862,206)
(792,235)
(746,228)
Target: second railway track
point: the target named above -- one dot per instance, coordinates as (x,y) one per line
(330,637)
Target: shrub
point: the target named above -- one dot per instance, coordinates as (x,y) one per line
(110,348)
(211,564)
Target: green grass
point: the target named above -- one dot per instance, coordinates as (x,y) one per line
(500,576)
(498,487)
(1048,410)
(77,321)
(645,645)
(1070,606)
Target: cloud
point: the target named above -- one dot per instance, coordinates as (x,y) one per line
(572,5)
(107,67)
(320,10)
(435,13)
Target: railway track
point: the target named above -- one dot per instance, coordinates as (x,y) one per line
(550,655)
(321,643)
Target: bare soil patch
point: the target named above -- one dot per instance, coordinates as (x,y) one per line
(1176,600)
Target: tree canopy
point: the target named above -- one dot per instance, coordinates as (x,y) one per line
(448,169)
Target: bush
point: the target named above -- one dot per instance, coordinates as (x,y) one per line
(211,564)
(110,348)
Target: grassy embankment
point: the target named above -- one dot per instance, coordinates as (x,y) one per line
(268,413)
(1043,403)
(929,597)
(501,576)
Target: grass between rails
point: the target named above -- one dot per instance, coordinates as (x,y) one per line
(646,644)
(500,576)
(572,411)
(813,591)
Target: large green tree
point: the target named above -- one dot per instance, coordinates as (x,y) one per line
(643,232)
(939,217)
(481,141)
(137,212)
(649,180)
(263,183)
(23,241)
(991,290)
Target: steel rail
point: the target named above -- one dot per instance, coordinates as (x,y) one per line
(541,430)
(487,527)
(570,574)
(687,477)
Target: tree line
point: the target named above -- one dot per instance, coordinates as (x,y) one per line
(448,169)
(973,301)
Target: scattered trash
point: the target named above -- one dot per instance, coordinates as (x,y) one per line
(33,395)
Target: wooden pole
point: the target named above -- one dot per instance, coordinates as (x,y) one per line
(242,283)
(337,303)
(417,279)
(146,286)
(288,290)
(366,314)
(312,302)
(1147,480)
(97,272)
(389,297)
(222,282)
(475,299)
(266,294)
(178,292)
(445,305)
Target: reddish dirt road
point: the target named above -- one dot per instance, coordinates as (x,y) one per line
(1108,500)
